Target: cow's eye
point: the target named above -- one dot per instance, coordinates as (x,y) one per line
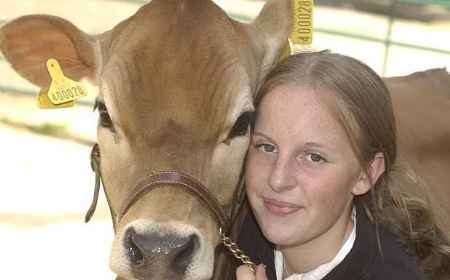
(241,126)
(105,119)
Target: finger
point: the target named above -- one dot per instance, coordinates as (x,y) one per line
(244,272)
(261,272)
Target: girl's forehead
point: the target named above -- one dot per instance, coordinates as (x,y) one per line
(293,98)
(296,118)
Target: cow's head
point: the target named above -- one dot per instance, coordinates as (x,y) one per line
(176,83)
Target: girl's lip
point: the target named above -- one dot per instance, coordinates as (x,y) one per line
(280,208)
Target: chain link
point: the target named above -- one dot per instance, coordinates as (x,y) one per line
(236,251)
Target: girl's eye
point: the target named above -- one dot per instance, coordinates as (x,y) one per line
(267,148)
(316,158)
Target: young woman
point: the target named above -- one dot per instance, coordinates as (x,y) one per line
(321,179)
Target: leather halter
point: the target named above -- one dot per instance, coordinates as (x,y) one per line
(160,179)
(188,183)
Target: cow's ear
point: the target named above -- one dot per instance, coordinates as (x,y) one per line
(28,42)
(274,23)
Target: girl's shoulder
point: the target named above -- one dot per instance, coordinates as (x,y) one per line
(377,254)
(392,260)
(386,256)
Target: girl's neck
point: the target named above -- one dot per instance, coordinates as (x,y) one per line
(306,257)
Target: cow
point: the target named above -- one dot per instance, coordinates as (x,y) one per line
(421,106)
(176,83)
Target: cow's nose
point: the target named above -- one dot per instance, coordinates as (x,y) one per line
(145,249)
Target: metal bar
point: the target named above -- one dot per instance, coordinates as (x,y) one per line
(360,37)
(23,92)
(8,90)
(387,40)
(444,3)
(381,41)
(130,1)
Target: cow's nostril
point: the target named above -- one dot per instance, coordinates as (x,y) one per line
(185,253)
(146,250)
(134,252)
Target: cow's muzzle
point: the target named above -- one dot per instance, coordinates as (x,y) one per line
(149,252)
(169,250)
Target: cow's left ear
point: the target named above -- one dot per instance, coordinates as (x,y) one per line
(29,41)
(274,24)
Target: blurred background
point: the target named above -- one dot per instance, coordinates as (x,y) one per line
(46,184)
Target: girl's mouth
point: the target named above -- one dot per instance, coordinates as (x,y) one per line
(280,208)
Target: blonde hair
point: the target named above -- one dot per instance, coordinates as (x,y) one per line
(365,111)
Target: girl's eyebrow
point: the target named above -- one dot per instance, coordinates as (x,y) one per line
(257,133)
(314,145)
(307,144)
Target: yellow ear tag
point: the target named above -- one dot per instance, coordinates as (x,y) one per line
(302,31)
(301,37)
(62,90)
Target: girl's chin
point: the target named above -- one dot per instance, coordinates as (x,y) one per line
(278,238)
(277,234)
(283,230)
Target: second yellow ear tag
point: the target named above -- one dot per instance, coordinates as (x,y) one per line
(301,37)
(302,31)
(62,90)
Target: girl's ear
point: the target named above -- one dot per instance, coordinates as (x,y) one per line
(368,179)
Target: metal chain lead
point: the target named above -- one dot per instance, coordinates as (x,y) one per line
(236,251)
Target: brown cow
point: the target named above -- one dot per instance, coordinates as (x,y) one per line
(176,83)
(422,107)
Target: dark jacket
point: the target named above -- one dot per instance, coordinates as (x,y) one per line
(364,262)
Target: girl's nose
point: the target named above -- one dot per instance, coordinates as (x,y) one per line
(282,177)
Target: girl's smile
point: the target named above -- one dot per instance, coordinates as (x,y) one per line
(280,208)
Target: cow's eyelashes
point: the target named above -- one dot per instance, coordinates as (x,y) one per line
(241,126)
(104,117)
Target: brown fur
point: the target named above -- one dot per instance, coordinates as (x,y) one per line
(174,78)
(421,102)
(421,105)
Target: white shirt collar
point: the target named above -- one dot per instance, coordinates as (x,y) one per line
(322,270)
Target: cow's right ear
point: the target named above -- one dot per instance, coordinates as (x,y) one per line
(274,24)
(29,41)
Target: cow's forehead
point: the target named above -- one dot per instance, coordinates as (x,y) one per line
(190,33)
(179,58)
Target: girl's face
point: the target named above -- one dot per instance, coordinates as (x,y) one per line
(301,172)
